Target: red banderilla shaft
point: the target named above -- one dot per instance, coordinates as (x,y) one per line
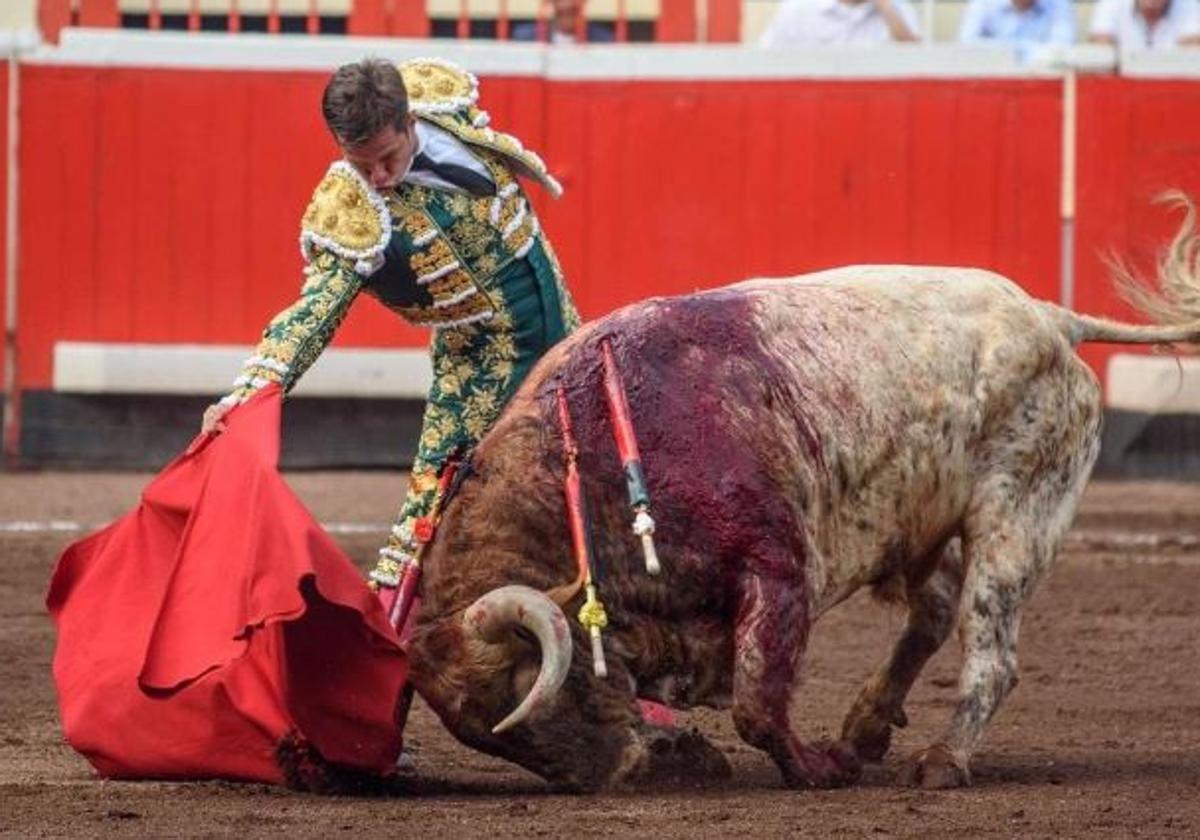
(411,579)
(591,614)
(631,459)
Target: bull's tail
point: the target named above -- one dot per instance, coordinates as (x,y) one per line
(1172,302)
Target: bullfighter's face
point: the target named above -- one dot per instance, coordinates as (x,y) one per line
(386,158)
(476,667)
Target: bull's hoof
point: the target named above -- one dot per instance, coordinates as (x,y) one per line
(871,734)
(871,747)
(685,755)
(823,765)
(935,768)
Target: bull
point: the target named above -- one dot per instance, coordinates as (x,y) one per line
(926,432)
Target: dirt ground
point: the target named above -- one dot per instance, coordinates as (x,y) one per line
(1101,739)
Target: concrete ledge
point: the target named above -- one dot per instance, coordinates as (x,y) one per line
(145,431)
(716,62)
(1181,63)
(1142,445)
(112,368)
(1136,382)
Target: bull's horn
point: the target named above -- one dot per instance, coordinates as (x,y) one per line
(492,618)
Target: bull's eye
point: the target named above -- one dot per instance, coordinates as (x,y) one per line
(524,634)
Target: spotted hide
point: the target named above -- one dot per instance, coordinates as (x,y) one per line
(926,432)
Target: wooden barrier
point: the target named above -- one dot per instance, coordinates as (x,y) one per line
(167,212)
(1138,137)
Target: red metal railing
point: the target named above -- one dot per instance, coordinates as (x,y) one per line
(677,20)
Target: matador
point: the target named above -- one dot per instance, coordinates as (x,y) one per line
(451,242)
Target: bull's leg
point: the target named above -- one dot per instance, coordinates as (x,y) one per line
(1006,551)
(1001,572)
(772,634)
(1012,532)
(932,612)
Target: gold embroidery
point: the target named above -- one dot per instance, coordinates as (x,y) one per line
(436,83)
(341,212)
(472,238)
(487,265)
(435,255)
(457,284)
(414,221)
(476,306)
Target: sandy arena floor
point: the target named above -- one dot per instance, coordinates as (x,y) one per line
(1102,738)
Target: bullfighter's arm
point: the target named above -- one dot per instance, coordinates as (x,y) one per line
(297,335)
(342,236)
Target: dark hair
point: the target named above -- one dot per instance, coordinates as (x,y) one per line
(362,99)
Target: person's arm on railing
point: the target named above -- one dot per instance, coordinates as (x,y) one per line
(900,28)
(1104,22)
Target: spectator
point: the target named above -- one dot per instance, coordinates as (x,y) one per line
(841,22)
(562,26)
(1022,23)
(1147,24)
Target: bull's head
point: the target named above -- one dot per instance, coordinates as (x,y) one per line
(501,676)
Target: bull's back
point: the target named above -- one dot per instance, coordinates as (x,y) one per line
(849,405)
(923,382)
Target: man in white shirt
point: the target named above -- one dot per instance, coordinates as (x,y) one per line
(1147,24)
(841,22)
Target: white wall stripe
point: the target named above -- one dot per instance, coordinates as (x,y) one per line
(127,48)
(245,51)
(118,368)
(1182,63)
(1164,384)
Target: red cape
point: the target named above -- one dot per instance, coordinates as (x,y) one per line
(217,631)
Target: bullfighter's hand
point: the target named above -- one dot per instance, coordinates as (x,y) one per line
(214,419)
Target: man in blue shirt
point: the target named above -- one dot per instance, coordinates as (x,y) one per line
(1021,23)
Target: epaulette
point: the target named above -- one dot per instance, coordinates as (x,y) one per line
(447,96)
(438,87)
(348,218)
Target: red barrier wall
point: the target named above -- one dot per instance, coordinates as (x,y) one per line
(162,205)
(3,212)
(674,186)
(1138,138)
